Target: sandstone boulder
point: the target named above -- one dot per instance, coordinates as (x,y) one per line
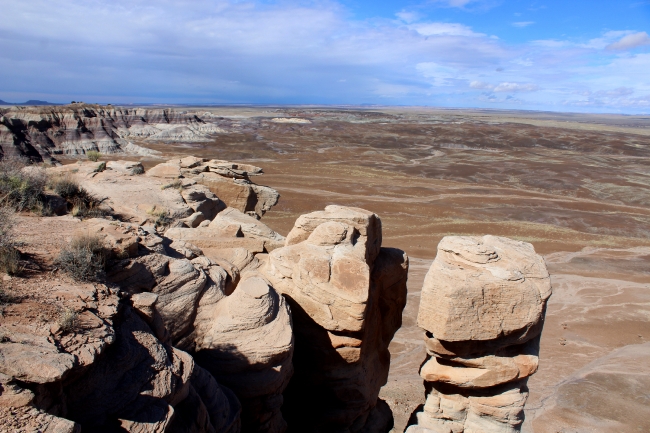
(166,170)
(246,342)
(346,295)
(482,308)
(504,299)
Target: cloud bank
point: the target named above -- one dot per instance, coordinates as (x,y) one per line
(224,51)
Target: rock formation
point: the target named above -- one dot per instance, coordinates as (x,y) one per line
(346,295)
(482,308)
(39,133)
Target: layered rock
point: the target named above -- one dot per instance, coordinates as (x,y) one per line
(482,308)
(230,181)
(39,133)
(239,330)
(346,295)
(107,370)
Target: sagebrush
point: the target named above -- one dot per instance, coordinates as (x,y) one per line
(93,155)
(82,203)
(84,259)
(9,255)
(21,187)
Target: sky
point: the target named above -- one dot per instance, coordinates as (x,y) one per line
(557,55)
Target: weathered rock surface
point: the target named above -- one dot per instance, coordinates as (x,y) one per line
(346,295)
(39,133)
(482,309)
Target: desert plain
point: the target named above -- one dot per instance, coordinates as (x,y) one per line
(575,186)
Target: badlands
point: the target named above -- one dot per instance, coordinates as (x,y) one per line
(220,314)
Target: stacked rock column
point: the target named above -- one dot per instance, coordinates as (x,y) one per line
(482,309)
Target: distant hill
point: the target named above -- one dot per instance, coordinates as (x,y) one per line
(30,102)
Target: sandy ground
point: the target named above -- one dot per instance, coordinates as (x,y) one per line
(576,186)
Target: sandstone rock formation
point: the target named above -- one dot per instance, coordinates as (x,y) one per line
(108,370)
(482,308)
(346,295)
(43,132)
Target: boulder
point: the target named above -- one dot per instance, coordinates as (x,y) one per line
(165,170)
(504,299)
(246,342)
(346,295)
(482,308)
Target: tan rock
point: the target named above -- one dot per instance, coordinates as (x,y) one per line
(121,239)
(347,297)
(367,224)
(165,170)
(504,299)
(246,342)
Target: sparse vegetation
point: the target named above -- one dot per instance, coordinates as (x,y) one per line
(93,155)
(21,187)
(175,184)
(84,204)
(138,169)
(101,167)
(9,255)
(68,320)
(162,218)
(84,259)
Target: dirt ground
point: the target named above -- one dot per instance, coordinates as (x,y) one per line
(576,186)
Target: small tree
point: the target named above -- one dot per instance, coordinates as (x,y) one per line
(93,155)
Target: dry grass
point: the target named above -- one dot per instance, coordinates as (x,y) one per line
(84,259)
(84,204)
(21,187)
(162,218)
(68,320)
(9,255)
(177,184)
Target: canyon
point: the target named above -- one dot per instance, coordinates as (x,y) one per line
(574,188)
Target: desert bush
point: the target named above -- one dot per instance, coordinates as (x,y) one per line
(84,204)
(84,259)
(93,155)
(9,255)
(21,188)
(68,320)
(101,167)
(175,184)
(138,169)
(162,218)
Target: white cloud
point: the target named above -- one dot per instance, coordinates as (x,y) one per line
(522,24)
(630,41)
(516,87)
(445,29)
(408,17)
(504,87)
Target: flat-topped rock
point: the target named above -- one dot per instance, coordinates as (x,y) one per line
(481,289)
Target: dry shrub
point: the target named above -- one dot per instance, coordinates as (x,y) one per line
(162,218)
(84,259)
(93,155)
(138,169)
(21,187)
(9,255)
(177,184)
(68,320)
(83,203)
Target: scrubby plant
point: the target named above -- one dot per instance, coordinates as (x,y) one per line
(84,259)
(21,188)
(84,204)
(177,184)
(101,167)
(138,169)
(93,155)
(162,218)
(9,255)
(68,320)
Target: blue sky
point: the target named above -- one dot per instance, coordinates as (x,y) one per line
(588,56)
